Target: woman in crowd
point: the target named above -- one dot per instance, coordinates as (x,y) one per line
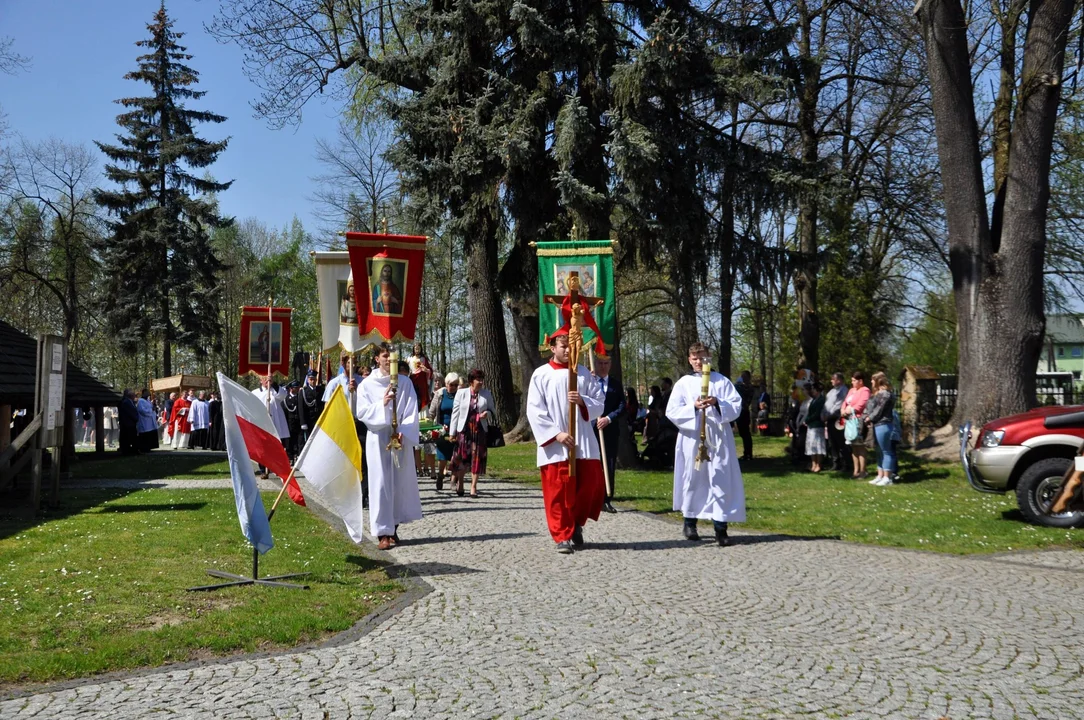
(440,410)
(816,445)
(654,412)
(421,376)
(879,416)
(471,412)
(632,411)
(854,405)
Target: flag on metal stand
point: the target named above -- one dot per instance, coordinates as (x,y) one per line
(250,511)
(331,464)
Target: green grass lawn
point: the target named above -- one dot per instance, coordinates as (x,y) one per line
(933,509)
(99,583)
(157,465)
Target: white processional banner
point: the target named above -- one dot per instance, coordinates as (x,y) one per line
(338,304)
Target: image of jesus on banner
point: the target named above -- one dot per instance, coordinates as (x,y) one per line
(387,279)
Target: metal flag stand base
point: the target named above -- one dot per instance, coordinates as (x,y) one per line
(238,580)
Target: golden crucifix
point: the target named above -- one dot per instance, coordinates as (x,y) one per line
(575,346)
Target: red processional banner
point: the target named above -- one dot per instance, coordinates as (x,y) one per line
(389,270)
(265,341)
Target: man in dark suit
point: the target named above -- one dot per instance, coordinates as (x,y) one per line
(607,424)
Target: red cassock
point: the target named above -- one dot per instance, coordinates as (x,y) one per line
(569,501)
(179,421)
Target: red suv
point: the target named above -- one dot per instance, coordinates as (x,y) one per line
(1028,453)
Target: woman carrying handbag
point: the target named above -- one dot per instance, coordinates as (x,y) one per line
(471,415)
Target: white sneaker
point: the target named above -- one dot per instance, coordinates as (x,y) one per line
(876,480)
(885,482)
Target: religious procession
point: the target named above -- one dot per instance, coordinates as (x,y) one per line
(541,360)
(364,434)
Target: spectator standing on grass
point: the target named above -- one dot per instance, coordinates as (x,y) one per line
(147,424)
(88,426)
(129,418)
(745,388)
(833,405)
(815,443)
(109,426)
(854,405)
(879,415)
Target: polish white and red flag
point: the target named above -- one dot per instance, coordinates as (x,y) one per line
(261,439)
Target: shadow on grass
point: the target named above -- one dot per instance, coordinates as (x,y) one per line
(156,465)
(152,507)
(16,515)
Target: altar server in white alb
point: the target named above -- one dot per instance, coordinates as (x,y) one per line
(278,415)
(201,420)
(569,502)
(393,479)
(714,491)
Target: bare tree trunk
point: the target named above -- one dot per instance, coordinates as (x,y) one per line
(805,280)
(487,316)
(997,280)
(525,320)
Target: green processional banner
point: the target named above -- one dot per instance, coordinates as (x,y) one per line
(592,261)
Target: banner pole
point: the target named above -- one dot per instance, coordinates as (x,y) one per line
(281,493)
(601,435)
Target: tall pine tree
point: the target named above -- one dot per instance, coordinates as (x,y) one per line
(159,260)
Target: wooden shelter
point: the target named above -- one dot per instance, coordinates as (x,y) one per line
(18,381)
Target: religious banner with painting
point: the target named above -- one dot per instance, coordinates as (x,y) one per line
(591,261)
(265,340)
(339,304)
(387,274)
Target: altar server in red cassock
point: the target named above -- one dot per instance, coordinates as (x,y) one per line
(569,501)
(180,424)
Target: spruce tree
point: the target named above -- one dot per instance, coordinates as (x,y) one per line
(159,260)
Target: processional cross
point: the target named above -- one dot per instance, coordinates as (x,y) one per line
(575,347)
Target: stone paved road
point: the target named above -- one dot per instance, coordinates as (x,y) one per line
(642,624)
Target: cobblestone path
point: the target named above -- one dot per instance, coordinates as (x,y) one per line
(642,624)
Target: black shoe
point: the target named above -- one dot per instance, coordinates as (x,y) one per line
(720,534)
(690,530)
(607,507)
(577,537)
(440,482)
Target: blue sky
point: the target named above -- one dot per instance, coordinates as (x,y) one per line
(80,51)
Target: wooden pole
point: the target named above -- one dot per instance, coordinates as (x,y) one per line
(601,435)
(282,492)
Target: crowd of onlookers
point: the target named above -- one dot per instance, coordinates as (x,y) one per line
(831,429)
(834,428)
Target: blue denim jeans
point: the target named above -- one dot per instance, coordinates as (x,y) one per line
(887,446)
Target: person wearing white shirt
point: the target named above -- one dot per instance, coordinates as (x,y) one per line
(272,399)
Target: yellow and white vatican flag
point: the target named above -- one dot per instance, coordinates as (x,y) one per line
(339,303)
(331,464)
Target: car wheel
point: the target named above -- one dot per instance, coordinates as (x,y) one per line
(1038,488)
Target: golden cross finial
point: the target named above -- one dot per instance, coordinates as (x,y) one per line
(384,222)
(572,232)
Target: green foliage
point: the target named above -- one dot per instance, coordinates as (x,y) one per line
(934,341)
(160,265)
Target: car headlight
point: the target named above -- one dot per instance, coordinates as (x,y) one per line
(992,438)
